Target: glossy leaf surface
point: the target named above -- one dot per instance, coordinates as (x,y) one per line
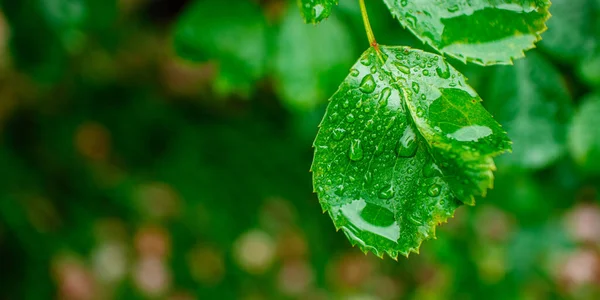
(584,135)
(315,11)
(403,142)
(531,100)
(481,31)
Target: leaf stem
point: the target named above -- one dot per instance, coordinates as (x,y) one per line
(370,35)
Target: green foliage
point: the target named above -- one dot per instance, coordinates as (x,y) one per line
(575,29)
(584,137)
(311,61)
(129,173)
(234,38)
(403,140)
(481,31)
(531,101)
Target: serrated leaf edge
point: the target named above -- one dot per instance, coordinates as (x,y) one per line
(467,59)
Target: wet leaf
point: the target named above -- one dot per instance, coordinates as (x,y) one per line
(314,11)
(480,31)
(403,142)
(584,136)
(306,74)
(531,100)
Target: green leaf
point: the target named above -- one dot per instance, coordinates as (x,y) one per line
(531,100)
(589,69)
(573,29)
(315,11)
(481,31)
(306,74)
(584,136)
(232,33)
(403,142)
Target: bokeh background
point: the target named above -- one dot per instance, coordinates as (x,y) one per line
(160,149)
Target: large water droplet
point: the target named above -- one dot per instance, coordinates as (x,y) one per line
(365,60)
(434,190)
(369,218)
(385,95)
(470,133)
(443,70)
(367,85)
(407,145)
(386,192)
(338,134)
(356,151)
(402,68)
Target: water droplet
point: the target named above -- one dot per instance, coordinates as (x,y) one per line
(416,87)
(385,95)
(317,11)
(426,72)
(346,104)
(365,60)
(350,118)
(359,103)
(356,151)
(431,170)
(338,134)
(403,2)
(378,150)
(434,190)
(443,70)
(354,72)
(339,190)
(368,177)
(367,217)
(453,8)
(423,97)
(412,20)
(334,116)
(369,125)
(407,145)
(420,112)
(367,85)
(402,68)
(367,110)
(386,192)
(470,133)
